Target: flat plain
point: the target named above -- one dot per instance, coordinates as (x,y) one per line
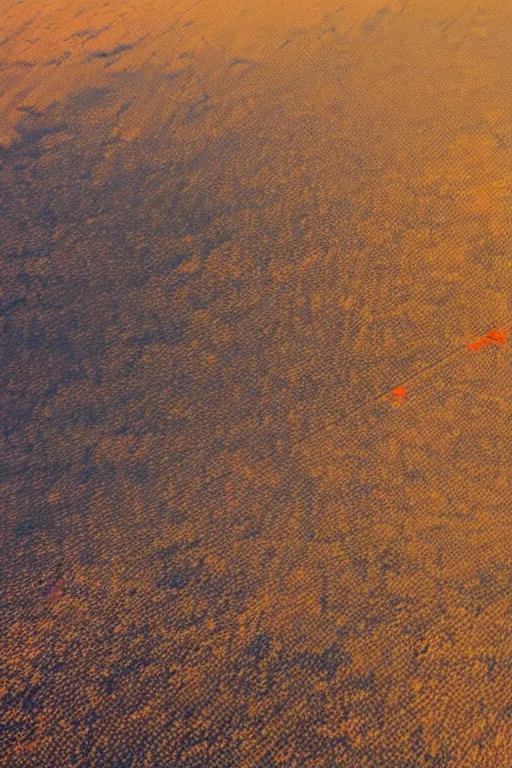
(255,490)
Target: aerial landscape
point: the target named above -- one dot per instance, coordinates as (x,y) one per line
(256,384)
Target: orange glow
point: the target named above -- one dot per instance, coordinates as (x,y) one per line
(497,338)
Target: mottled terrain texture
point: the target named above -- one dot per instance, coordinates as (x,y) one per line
(256,504)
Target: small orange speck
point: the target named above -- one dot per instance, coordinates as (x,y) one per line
(397,396)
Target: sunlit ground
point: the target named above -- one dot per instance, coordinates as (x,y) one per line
(256,465)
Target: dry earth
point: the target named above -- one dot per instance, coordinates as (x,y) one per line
(230,229)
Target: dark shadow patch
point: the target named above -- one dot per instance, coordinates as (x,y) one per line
(29,700)
(139,471)
(365,683)
(259,647)
(30,136)
(253,531)
(308,493)
(47,218)
(178,578)
(198,109)
(176,575)
(58,62)
(26,528)
(86,474)
(328,662)
(169,552)
(175,580)
(96,33)
(377,19)
(8,306)
(24,64)
(113,51)
(87,415)
(173,515)
(80,33)
(31,253)
(170,333)
(212,243)
(32,111)
(242,62)
(88,98)
(63,345)
(89,468)
(175,261)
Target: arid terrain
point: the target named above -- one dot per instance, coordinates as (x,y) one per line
(256,384)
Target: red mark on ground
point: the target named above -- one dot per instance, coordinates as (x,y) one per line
(493,337)
(54,592)
(497,337)
(398,394)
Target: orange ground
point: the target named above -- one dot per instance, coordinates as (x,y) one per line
(256,387)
